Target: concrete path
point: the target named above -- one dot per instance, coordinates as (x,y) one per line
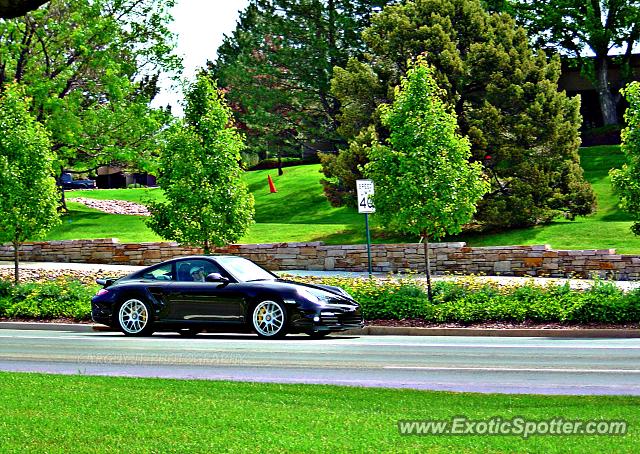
(574,283)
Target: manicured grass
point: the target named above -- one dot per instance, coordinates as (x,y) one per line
(607,228)
(49,413)
(299,212)
(86,223)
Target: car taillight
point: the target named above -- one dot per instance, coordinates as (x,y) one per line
(102,291)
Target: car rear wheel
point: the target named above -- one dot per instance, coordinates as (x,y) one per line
(134,318)
(269,319)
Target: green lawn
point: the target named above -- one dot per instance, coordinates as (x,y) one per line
(607,228)
(52,413)
(299,212)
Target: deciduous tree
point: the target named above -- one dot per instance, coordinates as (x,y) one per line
(626,181)
(425,184)
(207,202)
(90,68)
(588,32)
(28,196)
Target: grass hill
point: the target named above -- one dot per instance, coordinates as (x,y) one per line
(299,212)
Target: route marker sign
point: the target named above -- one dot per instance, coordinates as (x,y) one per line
(365,191)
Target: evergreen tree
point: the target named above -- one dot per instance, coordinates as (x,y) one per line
(276,70)
(505,96)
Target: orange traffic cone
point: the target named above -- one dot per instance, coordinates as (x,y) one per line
(272,187)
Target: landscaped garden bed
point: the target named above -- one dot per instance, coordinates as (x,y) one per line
(460,302)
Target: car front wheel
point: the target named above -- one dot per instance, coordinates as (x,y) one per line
(269,319)
(134,318)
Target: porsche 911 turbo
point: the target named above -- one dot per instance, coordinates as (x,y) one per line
(224,294)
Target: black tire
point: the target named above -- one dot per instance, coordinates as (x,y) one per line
(269,319)
(135,317)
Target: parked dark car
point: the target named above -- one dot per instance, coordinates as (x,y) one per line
(67,181)
(220,293)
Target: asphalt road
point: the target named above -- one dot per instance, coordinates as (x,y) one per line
(502,365)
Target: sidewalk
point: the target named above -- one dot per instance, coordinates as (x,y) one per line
(505,280)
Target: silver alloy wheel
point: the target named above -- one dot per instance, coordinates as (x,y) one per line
(133,316)
(268,318)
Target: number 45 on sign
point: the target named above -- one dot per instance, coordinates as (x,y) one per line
(364,189)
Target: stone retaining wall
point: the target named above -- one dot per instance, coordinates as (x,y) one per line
(445,257)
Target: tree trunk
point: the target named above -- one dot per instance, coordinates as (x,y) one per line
(205,247)
(606,98)
(16,262)
(63,199)
(427,265)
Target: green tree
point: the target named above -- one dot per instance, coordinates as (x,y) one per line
(425,184)
(505,97)
(27,190)
(207,202)
(276,70)
(91,67)
(579,29)
(626,181)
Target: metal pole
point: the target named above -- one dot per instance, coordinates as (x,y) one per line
(366,222)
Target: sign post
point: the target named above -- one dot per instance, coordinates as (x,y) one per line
(364,189)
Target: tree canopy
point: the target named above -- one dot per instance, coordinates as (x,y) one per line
(580,29)
(505,96)
(627,180)
(276,70)
(90,68)
(207,201)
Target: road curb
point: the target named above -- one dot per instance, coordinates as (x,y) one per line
(74,327)
(385,331)
(495,332)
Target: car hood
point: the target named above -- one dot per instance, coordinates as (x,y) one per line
(340,298)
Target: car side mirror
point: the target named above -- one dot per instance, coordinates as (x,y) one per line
(216,277)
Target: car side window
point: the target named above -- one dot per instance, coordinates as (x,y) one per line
(195,270)
(161,273)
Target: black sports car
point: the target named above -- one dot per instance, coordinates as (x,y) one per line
(220,293)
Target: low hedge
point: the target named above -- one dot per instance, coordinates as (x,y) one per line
(463,301)
(470,300)
(60,298)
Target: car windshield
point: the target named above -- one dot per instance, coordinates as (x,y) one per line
(244,270)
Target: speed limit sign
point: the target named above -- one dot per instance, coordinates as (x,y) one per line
(364,189)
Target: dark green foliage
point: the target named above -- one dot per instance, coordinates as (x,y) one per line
(588,32)
(63,298)
(506,98)
(276,69)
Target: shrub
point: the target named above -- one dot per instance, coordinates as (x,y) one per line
(62,298)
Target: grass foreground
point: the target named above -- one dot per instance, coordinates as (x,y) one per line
(56,413)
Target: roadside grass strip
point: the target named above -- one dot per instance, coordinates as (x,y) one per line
(56,413)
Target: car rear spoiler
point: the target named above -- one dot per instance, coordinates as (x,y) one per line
(106,281)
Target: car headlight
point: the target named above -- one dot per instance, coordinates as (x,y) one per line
(317,297)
